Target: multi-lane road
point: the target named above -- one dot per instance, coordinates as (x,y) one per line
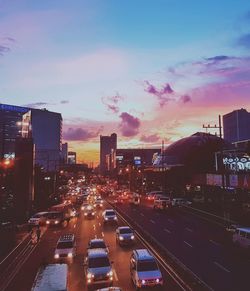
(84,230)
(202,246)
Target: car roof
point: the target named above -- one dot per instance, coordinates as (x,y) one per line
(66,237)
(96,253)
(143,254)
(40,213)
(245,229)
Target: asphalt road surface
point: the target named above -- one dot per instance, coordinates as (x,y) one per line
(84,230)
(204,247)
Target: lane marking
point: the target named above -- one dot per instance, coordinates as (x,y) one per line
(189,229)
(221,267)
(167,230)
(170,220)
(152,221)
(102,234)
(99,223)
(74,225)
(142,214)
(187,244)
(214,242)
(97,216)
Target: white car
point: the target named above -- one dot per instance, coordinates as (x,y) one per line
(109,216)
(66,247)
(38,219)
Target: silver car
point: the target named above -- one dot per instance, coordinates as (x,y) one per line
(144,269)
(125,235)
(38,219)
(98,269)
(109,216)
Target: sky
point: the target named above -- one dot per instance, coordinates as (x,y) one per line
(149,70)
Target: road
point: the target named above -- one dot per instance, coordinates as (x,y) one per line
(202,246)
(84,230)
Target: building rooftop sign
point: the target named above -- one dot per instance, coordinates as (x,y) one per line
(14,108)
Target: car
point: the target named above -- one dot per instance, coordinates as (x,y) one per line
(66,247)
(162,203)
(56,218)
(109,216)
(89,212)
(98,243)
(180,202)
(84,205)
(38,219)
(119,200)
(98,268)
(125,235)
(144,269)
(151,196)
(98,202)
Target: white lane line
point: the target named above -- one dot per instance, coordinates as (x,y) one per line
(214,242)
(187,244)
(152,221)
(99,223)
(102,234)
(74,225)
(95,236)
(167,230)
(115,275)
(221,267)
(97,216)
(171,220)
(142,214)
(189,229)
(94,226)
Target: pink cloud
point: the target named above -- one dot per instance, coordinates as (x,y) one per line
(129,125)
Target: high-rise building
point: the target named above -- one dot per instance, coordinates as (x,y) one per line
(65,153)
(108,145)
(236,125)
(43,126)
(71,158)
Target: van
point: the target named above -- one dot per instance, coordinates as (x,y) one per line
(66,247)
(241,237)
(144,269)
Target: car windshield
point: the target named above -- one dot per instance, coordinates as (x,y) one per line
(37,216)
(65,245)
(110,213)
(147,266)
(99,262)
(125,230)
(97,245)
(54,215)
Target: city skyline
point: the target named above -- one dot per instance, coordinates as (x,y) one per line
(147,71)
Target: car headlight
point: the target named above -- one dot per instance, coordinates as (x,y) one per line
(132,237)
(101,204)
(70,255)
(47,221)
(121,237)
(82,208)
(110,273)
(115,218)
(56,222)
(106,218)
(157,280)
(90,275)
(93,213)
(85,214)
(143,282)
(56,256)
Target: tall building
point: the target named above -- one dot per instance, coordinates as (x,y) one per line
(71,158)
(236,125)
(43,126)
(108,145)
(65,153)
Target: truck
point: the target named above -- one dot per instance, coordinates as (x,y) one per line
(52,277)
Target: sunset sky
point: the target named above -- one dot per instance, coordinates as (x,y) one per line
(149,70)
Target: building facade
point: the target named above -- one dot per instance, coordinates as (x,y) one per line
(236,125)
(108,145)
(43,126)
(71,158)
